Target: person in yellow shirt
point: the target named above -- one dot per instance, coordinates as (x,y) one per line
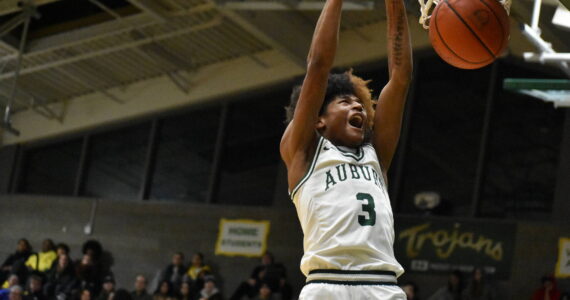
(197,267)
(43,260)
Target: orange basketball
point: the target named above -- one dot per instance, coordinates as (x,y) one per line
(469,34)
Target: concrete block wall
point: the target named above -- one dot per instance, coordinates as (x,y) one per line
(143,235)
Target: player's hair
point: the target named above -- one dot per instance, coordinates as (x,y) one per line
(337,85)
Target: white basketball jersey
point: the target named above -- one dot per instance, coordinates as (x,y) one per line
(345,212)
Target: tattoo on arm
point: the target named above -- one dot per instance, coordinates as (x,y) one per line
(398,36)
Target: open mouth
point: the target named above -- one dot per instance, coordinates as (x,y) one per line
(356,121)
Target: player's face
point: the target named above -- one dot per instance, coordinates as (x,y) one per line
(344,121)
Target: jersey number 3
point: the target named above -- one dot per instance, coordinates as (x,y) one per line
(367,207)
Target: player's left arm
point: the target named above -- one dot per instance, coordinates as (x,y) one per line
(392,99)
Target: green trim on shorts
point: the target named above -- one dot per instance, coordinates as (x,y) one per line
(353,283)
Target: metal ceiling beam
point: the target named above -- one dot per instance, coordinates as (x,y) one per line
(96,32)
(267,34)
(214,22)
(12,6)
(154,51)
(151,8)
(303,5)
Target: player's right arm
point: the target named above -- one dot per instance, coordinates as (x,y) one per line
(299,140)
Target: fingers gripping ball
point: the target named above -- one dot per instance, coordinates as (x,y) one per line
(469,34)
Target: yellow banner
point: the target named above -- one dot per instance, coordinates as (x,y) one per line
(242,237)
(563,264)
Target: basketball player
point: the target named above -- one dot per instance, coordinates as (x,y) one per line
(337,151)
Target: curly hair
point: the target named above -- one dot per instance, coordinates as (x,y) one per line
(337,85)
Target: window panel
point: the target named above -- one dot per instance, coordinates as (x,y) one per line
(185,155)
(116,163)
(52,169)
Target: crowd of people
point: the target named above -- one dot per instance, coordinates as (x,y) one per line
(479,288)
(51,274)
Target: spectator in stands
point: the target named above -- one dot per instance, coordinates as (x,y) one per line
(175,271)
(453,290)
(61,281)
(164,291)
(548,289)
(140,292)
(108,288)
(411,289)
(85,294)
(15,263)
(35,288)
(186,292)
(269,272)
(60,249)
(210,291)
(478,287)
(265,293)
(42,261)
(16,293)
(5,290)
(102,260)
(88,274)
(197,270)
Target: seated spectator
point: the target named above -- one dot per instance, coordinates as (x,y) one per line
(186,292)
(60,249)
(15,263)
(102,260)
(548,289)
(197,267)
(88,274)
(35,289)
(210,291)
(164,291)
(16,293)
(11,282)
(108,288)
(453,290)
(175,271)
(140,292)
(478,287)
(61,281)
(269,272)
(197,271)
(265,293)
(85,294)
(411,289)
(42,261)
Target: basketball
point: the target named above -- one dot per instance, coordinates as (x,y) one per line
(469,34)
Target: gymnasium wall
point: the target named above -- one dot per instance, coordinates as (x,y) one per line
(142,237)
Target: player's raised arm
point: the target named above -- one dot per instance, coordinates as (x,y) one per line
(300,136)
(390,107)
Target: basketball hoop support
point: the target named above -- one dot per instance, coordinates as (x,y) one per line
(547,54)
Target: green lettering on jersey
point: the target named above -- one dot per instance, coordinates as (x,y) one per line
(365,173)
(330,180)
(368,206)
(341,177)
(354,172)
